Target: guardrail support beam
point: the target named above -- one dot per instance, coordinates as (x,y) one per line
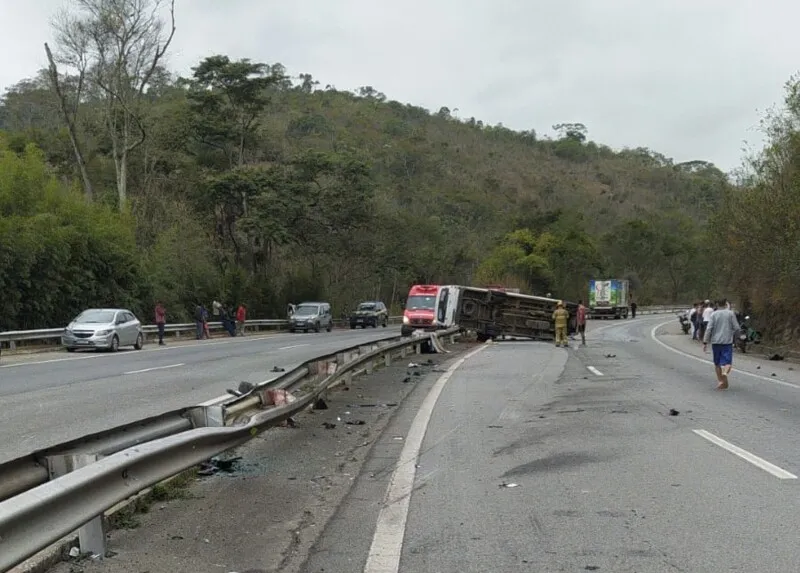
(92,534)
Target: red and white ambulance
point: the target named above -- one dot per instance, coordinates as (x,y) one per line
(420,310)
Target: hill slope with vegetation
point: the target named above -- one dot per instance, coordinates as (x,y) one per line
(239,183)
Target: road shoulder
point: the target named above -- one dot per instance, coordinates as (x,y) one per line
(266,514)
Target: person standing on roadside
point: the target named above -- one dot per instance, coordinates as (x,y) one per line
(560,317)
(198,321)
(206,333)
(241,316)
(708,310)
(693,321)
(720,331)
(581,322)
(161,322)
(634,306)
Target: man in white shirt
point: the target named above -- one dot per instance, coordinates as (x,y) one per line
(707,312)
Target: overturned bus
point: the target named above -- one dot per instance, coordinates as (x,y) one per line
(493,313)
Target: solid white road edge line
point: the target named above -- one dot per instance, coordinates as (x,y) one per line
(292,346)
(238,339)
(594,370)
(387,542)
(687,355)
(745,455)
(143,370)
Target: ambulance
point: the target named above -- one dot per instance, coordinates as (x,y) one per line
(420,310)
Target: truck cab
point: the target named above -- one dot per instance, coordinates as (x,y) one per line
(420,310)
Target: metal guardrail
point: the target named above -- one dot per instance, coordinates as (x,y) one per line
(12,337)
(86,477)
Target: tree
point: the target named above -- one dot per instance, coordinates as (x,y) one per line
(58,254)
(227,99)
(75,56)
(118,46)
(574,131)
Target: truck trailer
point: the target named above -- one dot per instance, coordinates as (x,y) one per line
(609,298)
(492,313)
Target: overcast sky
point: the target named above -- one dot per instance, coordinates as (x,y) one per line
(688,78)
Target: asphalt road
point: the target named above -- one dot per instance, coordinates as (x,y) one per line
(542,459)
(46,399)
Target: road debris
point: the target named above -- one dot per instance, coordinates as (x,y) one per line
(509,485)
(673,412)
(215,465)
(355,422)
(244,389)
(413,365)
(328,425)
(278,369)
(320,404)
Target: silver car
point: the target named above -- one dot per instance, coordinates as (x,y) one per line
(104,328)
(311,316)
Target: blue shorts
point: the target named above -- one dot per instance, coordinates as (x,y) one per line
(723,354)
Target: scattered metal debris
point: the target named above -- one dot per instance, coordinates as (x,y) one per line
(673,412)
(328,425)
(509,485)
(320,404)
(355,422)
(278,369)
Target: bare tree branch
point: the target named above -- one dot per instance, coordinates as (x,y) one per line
(69,119)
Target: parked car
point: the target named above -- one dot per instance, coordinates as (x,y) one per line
(371,313)
(103,328)
(311,316)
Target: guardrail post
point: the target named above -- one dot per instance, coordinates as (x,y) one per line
(12,345)
(92,534)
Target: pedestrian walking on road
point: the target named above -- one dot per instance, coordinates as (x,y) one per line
(581,322)
(721,328)
(561,317)
(241,316)
(161,322)
(634,306)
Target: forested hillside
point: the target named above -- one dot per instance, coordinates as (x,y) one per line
(242,184)
(757,230)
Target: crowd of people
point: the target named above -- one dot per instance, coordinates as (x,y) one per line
(232,323)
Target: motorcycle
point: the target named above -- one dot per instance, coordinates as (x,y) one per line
(686,326)
(746,335)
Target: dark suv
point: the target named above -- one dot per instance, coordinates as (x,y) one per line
(370,313)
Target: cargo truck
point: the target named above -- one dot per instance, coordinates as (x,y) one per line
(609,298)
(493,313)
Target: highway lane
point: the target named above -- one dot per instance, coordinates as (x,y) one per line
(604,478)
(48,399)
